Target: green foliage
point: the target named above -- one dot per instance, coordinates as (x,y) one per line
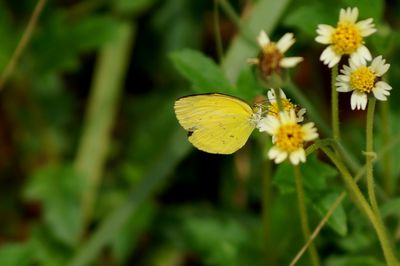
(315,174)
(158,201)
(59,189)
(16,254)
(203,73)
(353,261)
(338,220)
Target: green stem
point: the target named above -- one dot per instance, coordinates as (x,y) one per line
(370,155)
(335,105)
(304,217)
(102,106)
(23,42)
(270,258)
(365,207)
(387,159)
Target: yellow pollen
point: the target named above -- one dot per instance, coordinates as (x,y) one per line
(362,79)
(287,106)
(289,137)
(346,38)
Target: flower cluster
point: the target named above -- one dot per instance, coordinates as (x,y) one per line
(288,135)
(271,58)
(357,76)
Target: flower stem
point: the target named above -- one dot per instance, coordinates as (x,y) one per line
(270,258)
(362,203)
(303,215)
(335,105)
(386,159)
(370,155)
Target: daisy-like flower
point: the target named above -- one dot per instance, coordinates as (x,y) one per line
(362,80)
(271,59)
(272,108)
(288,137)
(346,38)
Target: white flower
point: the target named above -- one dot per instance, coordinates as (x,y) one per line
(346,38)
(288,137)
(272,108)
(271,58)
(362,80)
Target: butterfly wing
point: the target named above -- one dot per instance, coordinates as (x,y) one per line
(216,123)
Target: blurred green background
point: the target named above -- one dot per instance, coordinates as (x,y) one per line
(95,169)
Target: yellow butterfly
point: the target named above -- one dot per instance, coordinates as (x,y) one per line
(216,123)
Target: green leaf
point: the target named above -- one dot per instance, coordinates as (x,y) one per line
(338,220)
(220,241)
(391,207)
(132,6)
(201,71)
(59,189)
(353,261)
(18,254)
(126,239)
(284,178)
(56,49)
(314,174)
(48,251)
(306,18)
(248,86)
(265,15)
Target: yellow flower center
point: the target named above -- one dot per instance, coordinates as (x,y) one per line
(270,58)
(346,38)
(289,137)
(363,79)
(287,106)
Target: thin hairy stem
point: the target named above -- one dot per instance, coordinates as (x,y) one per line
(370,155)
(335,105)
(303,215)
(26,37)
(362,203)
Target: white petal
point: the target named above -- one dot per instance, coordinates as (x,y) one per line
(288,62)
(281,157)
(361,55)
(285,42)
(343,87)
(358,100)
(272,97)
(288,117)
(346,70)
(269,124)
(324,34)
(329,57)
(277,154)
(379,66)
(309,131)
(263,39)
(348,15)
(366,27)
(297,156)
(381,90)
(300,115)
(343,78)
